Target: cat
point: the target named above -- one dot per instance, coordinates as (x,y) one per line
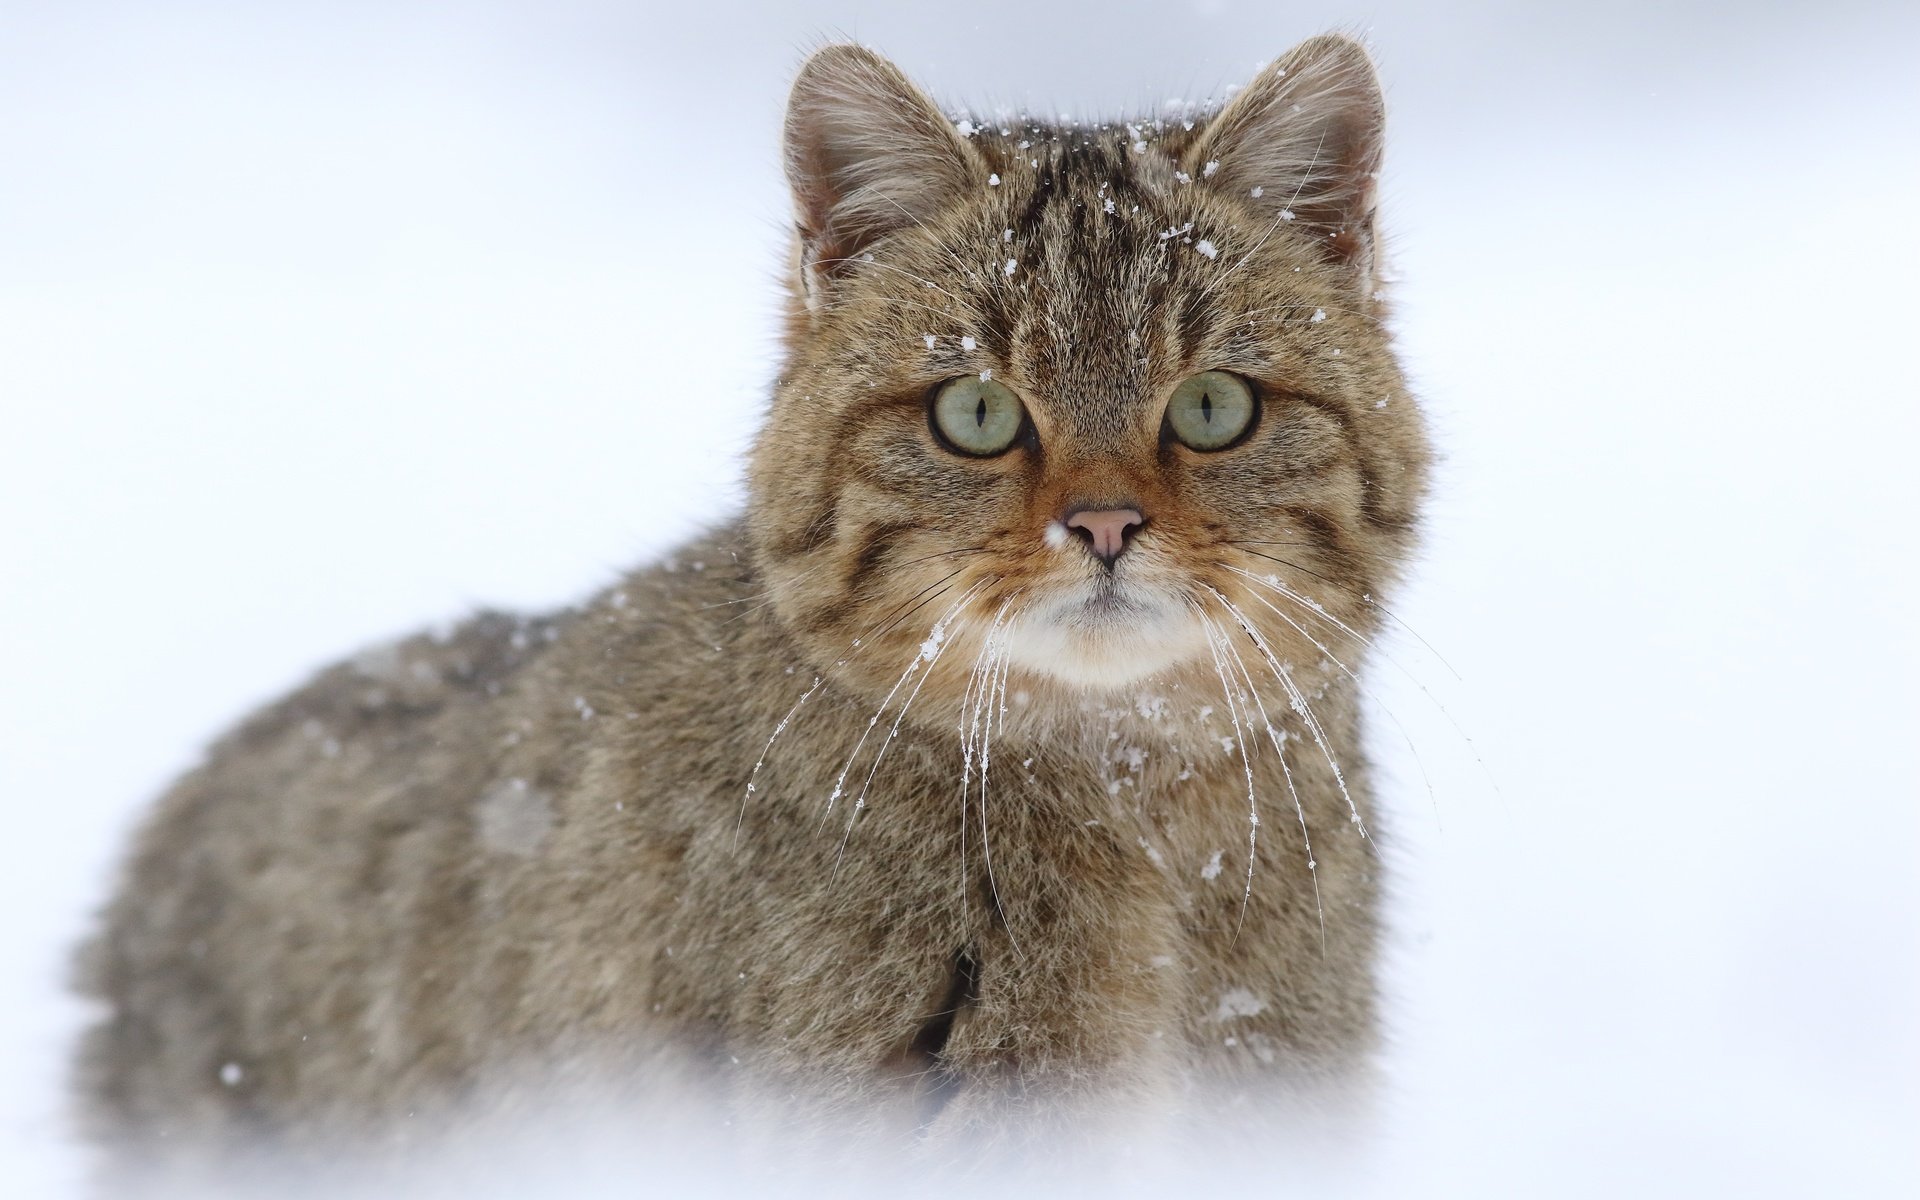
(999,767)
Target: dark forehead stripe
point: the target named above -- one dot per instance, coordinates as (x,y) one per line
(1094,280)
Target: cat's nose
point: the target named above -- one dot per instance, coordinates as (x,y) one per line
(1106,530)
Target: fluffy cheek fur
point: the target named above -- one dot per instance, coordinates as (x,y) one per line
(900,551)
(1089,272)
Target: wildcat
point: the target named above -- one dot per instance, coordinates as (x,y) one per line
(998,767)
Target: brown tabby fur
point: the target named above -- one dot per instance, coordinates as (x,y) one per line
(534,841)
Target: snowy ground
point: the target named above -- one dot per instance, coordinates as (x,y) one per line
(321,322)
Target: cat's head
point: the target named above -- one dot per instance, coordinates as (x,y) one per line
(1107,393)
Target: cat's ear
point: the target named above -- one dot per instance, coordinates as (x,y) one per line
(867,154)
(1301,143)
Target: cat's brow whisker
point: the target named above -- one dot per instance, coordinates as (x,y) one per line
(1247,317)
(1285,214)
(946,250)
(872,262)
(1279,739)
(942,313)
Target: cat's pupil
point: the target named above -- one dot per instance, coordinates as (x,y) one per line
(980,413)
(1206,408)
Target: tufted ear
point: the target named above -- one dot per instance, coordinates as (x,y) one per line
(1302,144)
(867,154)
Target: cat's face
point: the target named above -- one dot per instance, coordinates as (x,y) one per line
(1084,390)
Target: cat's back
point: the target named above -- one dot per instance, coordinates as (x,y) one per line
(317,917)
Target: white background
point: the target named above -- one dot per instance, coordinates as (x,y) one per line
(322,321)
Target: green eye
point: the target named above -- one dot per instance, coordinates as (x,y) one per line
(1211,410)
(977,416)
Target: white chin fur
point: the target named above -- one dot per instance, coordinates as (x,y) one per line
(1069,643)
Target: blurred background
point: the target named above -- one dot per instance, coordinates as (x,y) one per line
(319,322)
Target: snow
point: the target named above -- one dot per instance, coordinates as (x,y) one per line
(263,264)
(1238,1002)
(1206,248)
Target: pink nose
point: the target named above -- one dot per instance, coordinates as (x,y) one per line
(1106,530)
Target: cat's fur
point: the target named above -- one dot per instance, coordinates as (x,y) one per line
(531,843)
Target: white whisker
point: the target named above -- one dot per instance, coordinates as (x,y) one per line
(1320,611)
(1418,761)
(839,784)
(997,663)
(969,730)
(1246,763)
(1298,699)
(930,652)
(1279,737)
(777,731)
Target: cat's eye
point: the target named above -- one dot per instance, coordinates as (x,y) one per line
(977,416)
(1212,410)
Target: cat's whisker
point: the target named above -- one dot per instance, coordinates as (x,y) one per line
(930,652)
(1342,552)
(1246,763)
(966,748)
(979,691)
(1288,563)
(1279,739)
(1005,655)
(764,750)
(854,647)
(943,554)
(1298,699)
(1365,597)
(770,592)
(892,621)
(1364,690)
(1318,610)
(839,784)
(896,301)
(1312,607)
